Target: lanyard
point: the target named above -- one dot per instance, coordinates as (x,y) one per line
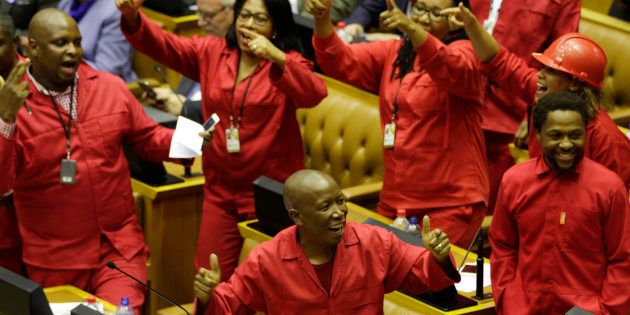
(66,129)
(240,112)
(395,106)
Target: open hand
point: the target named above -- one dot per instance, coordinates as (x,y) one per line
(394,18)
(13,92)
(206,280)
(435,241)
(260,46)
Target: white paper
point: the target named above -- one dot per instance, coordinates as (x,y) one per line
(186,142)
(469,280)
(63,308)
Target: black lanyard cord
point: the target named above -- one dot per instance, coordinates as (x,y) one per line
(395,106)
(240,112)
(66,129)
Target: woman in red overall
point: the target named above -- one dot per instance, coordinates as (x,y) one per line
(572,63)
(430,96)
(254,79)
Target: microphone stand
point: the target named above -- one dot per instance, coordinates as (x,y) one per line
(479,295)
(112,265)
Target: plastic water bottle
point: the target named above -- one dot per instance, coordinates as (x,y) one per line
(413,227)
(124,308)
(401,222)
(91,303)
(341,32)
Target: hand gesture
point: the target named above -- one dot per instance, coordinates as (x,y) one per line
(207,137)
(206,280)
(521,136)
(260,46)
(13,92)
(166,100)
(129,7)
(394,18)
(461,17)
(435,241)
(318,8)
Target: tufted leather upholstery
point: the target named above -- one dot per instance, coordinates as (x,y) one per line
(614,37)
(342,137)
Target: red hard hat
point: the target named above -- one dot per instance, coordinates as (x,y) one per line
(578,56)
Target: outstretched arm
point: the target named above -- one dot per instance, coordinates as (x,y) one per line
(485,46)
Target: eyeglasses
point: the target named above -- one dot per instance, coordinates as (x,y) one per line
(434,15)
(259,18)
(209,15)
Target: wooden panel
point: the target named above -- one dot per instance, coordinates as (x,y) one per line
(601,6)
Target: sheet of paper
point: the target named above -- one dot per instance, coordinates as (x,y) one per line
(63,308)
(186,142)
(469,280)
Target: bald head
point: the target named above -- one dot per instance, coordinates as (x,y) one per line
(55,48)
(303,187)
(47,21)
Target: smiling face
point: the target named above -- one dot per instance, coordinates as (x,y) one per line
(562,139)
(319,210)
(55,43)
(254,17)
(550,80)
(426,13)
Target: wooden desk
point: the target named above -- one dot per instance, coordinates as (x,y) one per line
(171,218)
(181,25)
(68,293)
(395,303)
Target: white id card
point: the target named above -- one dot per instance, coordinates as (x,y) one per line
(233,144)
(390,135)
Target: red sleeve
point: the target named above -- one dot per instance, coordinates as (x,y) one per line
(615,290)
(504,241)
(298,81)
(415,269)
(513,74)
(454,67)
(176,52)
(361,65)
(609,146)
(243,292)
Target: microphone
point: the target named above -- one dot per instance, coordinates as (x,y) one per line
(468,251)
(112,265)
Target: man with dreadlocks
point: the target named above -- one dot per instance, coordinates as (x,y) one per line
(430,94)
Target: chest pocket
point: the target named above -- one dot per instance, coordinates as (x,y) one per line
(112,129)
(579,230)
(360,301)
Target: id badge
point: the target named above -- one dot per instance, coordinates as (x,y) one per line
(389,136)
(233,143)
(68,172)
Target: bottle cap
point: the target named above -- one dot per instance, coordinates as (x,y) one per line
(341,24)
(91,299)
(124,300)
(413,219)
(401,213)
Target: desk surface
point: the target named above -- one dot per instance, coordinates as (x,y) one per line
(359,214)
(68,293)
